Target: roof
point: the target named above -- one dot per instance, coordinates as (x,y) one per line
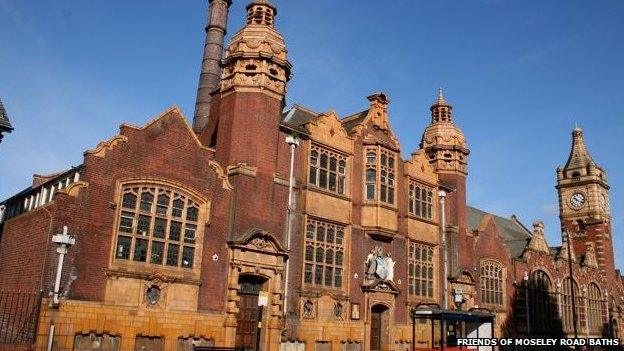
(351,121)
(4,119)
(514,233)
(53,178)
(579,156)
(298,116)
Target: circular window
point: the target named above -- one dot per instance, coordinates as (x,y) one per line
(152,295)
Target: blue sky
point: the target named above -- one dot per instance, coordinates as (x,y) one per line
(518,73)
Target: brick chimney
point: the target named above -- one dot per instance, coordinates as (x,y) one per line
(210,77)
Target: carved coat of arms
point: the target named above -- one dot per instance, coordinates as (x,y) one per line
(379,267)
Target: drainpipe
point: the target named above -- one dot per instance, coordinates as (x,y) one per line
(65,241)
(293,142)
(442,195)
(50,337)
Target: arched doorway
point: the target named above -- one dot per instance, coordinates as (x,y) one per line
(378,327)
(249,313)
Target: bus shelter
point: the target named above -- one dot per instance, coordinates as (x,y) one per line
(446,326)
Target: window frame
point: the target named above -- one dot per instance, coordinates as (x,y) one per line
(320,176)
(312,246)
(192,200)
(595,317)
(492,289)
(429,279)
(415,200)
(384,167)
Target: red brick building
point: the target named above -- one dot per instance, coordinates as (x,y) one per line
(182,231)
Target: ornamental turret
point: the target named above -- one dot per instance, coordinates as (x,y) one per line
(584,207)
(447,151)
(256,59)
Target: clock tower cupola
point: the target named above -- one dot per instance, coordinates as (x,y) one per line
(584,203)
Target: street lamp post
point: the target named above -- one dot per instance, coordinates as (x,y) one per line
(527,305)
(442,195)
(64,240)
(293,142)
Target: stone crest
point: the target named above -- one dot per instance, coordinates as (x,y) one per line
(379,267)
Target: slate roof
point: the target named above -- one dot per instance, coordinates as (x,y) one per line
(4,119)
(351,121)
(298,116)
(515,234)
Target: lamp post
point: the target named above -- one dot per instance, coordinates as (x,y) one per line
(442,195)
(293,142)
(527,305)
(64,240)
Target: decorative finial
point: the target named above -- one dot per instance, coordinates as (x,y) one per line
(577,128)
(441,95)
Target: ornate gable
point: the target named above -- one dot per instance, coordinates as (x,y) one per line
(375,119)
(418,167)
(327,129)
(563,253)
(538,241)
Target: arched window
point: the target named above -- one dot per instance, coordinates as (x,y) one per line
(542,311)
(157,225)
(492,283)
(594,306)
(570,286)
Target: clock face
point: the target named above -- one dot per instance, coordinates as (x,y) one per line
(577,200)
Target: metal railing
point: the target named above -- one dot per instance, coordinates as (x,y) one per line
(19,315)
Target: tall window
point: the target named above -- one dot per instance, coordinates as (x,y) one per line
(157,225)
(328,170)
(567,311)
(420,200)
(491,283)
(420,270)
(380,175)
(594,313)
(541,303)
(324,254)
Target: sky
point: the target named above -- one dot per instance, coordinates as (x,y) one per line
(519,75)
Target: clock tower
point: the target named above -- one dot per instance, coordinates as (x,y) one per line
(584,203)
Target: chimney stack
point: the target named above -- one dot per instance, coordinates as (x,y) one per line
(211,62)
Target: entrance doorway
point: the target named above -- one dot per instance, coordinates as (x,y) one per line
(247,332)
(378,327)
